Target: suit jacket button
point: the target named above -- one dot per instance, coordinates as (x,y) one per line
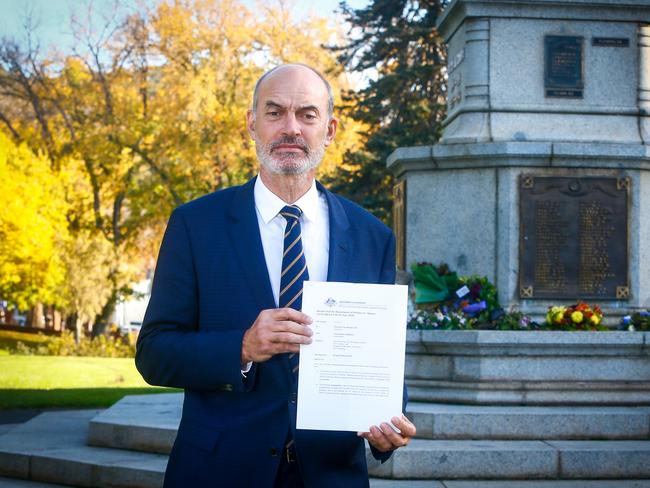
(273,452)
(227,387)
(293,397)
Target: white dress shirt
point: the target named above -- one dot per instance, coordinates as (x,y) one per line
(314,225)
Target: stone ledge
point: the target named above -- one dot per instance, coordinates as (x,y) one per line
(13,483)
(529,393)
(480,155)
(443,421)
(548,484)
(611,10)
(600,459)
(532,343)
(424,459)
(541,367)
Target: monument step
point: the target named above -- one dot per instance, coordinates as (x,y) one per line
(52,448)
(379,483)
(14,483)
(149,422)
(502,460)
(451,421)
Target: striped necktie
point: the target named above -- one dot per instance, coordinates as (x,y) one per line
(294,267)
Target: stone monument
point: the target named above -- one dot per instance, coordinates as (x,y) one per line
(541,180)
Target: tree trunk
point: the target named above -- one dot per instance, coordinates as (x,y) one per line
(102,319)
(57,323)
(78,329)
(35,317)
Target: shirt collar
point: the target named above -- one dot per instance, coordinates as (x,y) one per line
(268,204)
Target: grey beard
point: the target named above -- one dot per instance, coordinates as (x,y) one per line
(290,163)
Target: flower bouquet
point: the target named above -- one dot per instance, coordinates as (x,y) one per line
(636,321)
(575,317)
(446,301)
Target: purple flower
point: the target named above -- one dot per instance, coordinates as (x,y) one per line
(475,308)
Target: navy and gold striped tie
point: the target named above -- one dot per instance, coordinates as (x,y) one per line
(294,267)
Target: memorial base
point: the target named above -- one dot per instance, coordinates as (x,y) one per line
(528,368)
(462,206)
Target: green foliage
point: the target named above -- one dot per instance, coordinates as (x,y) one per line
(443,292)
(9,340)
(513,320)
(396,44)
(111,346)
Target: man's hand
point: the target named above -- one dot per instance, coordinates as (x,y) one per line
(275,331)
(384,438)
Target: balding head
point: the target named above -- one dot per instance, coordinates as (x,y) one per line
(271,72)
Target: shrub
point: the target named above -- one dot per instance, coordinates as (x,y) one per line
(107,346)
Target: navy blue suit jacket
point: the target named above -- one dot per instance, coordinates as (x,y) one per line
(210,284)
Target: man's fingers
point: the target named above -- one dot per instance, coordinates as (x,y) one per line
(378,439)
(386,438)
(292,315)
(276,331)
(395,439)
(404,425)
(290,338)
(293,327)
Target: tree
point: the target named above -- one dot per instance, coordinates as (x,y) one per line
(32,227)
(403,104)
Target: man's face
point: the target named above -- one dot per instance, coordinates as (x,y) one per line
(291,126)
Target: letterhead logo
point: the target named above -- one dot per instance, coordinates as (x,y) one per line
(330,302)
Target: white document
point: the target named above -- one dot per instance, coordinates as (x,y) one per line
(352,374)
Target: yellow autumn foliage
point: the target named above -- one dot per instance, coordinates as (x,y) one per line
(33,226)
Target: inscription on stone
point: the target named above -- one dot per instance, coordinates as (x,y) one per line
(563,66)
(610,42)
(455,83)
(399,223)
(550,272)
(574,235)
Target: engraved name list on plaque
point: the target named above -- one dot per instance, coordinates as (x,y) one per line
(574,238)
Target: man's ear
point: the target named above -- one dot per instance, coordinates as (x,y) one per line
(332,125)
(250,123)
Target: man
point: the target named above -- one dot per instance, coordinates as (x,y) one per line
(224,322)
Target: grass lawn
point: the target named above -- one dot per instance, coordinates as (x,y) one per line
(55,381)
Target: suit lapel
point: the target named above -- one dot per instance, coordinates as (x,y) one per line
(246,241)
(340,242)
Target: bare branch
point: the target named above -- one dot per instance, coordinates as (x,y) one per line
(7,122)
(16,65)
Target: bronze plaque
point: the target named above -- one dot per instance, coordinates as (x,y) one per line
(563,66)
(610,41)
(399,223)
(573,238)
